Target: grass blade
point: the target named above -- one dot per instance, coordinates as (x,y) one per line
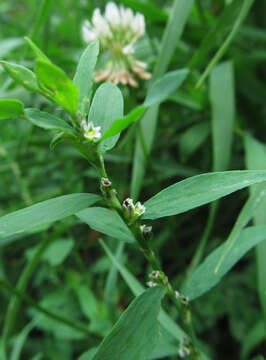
(175,26)
(219,54)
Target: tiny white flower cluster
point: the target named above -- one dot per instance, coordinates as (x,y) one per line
(117,30)
(91,132)
(136,210)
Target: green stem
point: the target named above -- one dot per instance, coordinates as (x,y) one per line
(113,202)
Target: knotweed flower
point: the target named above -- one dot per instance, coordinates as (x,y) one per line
(139,209)
(90,131)
(118,30)
(105,182)
(183,352)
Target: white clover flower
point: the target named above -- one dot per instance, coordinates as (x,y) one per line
(118,30)
(139,209)
(112,14)
(90,131)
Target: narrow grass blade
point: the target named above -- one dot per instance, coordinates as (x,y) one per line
(223,113)
(175,26)
(241,17)
(256,159)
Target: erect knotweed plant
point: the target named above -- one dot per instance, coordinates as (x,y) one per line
(93,126)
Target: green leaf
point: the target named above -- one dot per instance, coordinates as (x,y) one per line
(253,338)
(10,108)
(57,252)
(137,288)
(256,159)
(84,76)
(134,336)
(165,86)
(88,355)
(107,105)
(52,78)
(214,37)
(38,52)
(179,11)
(48,121)
(122,123)
(199,190)
(193,138)
(56,139)
(44,212)
(22,75)
(243,218)
(223,113)
(204,277)
(107,222)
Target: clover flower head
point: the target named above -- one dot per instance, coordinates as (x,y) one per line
(90,131)
(117,30)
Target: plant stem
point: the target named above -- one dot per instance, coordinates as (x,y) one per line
(112,201)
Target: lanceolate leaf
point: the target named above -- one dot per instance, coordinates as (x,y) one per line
(53,79)
(48,121)
(159,92)
(10,108)
(44,212)
(134,335)
(204,277)
(106,221)
(22,75)
(121,124)
(38,52)
(84,76)
(199,190)
(107,105)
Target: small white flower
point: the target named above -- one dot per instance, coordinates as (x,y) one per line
(128,204)
(127,16)
(185,300)
(106,182)
(145,229)
(91,132)
(88,32)
(138,25)
(112,14)
(139,209)
(151,284)
(100,24)
(177,294)
(183,352)
(155,274)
